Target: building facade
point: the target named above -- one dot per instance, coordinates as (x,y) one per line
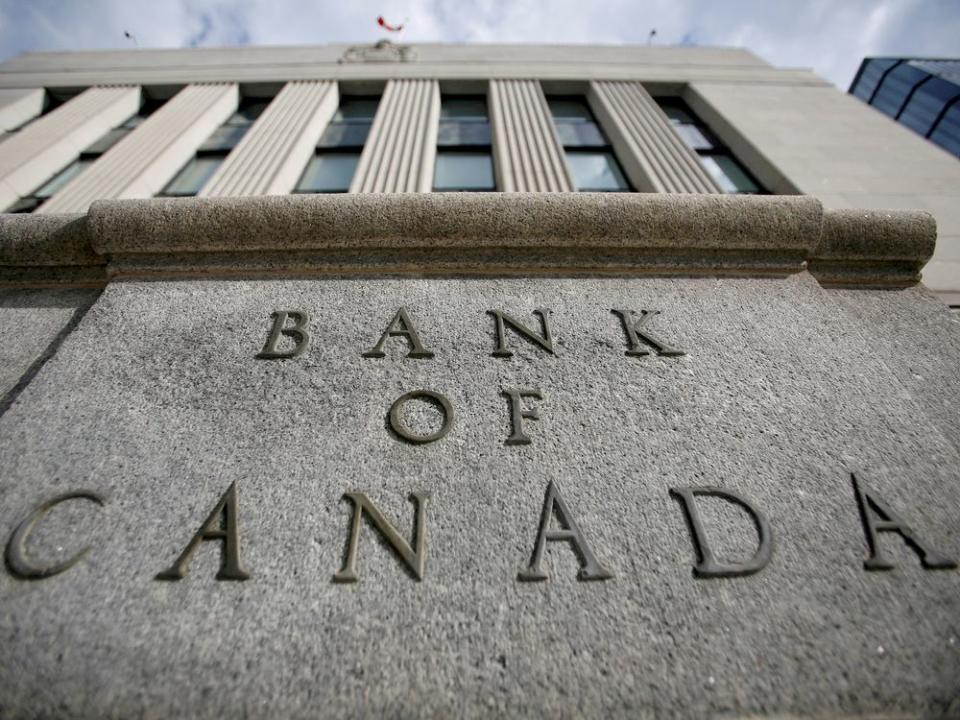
(922,94)
(472,381)
(265,121)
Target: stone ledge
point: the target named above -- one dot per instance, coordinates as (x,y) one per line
(467,233)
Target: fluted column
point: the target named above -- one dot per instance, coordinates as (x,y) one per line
(271,156)
(653,155)
(399,153)
(529,157)
(19,105)
(143,163)
(35,154)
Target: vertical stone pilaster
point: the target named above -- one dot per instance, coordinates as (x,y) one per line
(271,156)
(400,151)
(528,155)
(142,163)
(652,154)
(19,105)
(35,154)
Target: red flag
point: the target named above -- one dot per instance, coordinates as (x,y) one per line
(387,26)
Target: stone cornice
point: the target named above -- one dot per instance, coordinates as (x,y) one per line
(466,234)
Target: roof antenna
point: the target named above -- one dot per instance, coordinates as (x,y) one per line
(650,37)
(129,36)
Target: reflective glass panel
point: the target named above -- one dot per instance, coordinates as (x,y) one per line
(344,135)
(927,102)
(356,109)
(107,141)
(677,115)
(895,88)
(564,109)
(24,205)
(579,134)
(728,174)
(867,82)
(694,137)
(474,108)
(62,178)
(947,133)
(193,177)
(224,137)
(463,171)
(597,171)
(452,132)
(330,172)
(247,114)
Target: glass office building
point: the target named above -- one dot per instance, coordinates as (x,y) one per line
(922,94)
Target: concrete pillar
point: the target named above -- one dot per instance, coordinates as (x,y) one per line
(19,105)
(39,151)
(143,163)
(399,153)
(528,155)
(652,154)
(271,156)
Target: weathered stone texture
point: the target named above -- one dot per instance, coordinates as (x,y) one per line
(157,402)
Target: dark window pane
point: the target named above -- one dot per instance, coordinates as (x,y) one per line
(452,132)
(596,171)
(24,205)
(867,82)
(344,135)
(895,88)
(331,172)
(927,102)
(678,115)
(573,110)
(463,171)
(356,109)
(107,141)
(247,114)
(728,174)
(464,109)
(947,134)
(694,137)
(193,177)
(579,134)
(224,137)
(62,178)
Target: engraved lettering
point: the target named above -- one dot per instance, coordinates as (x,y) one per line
(298,331)
(19,563)
(501,318)
(640,338)
(708,566)
(570,532)
(877,518)
(414,559)
(518,414)
(400,326)
(398,426)
(222,524)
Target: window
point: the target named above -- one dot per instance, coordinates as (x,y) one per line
(719,162)
(870,75)
(591,160)
(925,106)
(464,157)
(337,154)
(896,87)
(195,174)
(86,159)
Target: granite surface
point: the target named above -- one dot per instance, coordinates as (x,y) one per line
(32,324)
(157,402)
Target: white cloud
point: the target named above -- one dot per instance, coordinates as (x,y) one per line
(829,36)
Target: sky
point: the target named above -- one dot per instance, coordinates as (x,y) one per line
(829,36)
